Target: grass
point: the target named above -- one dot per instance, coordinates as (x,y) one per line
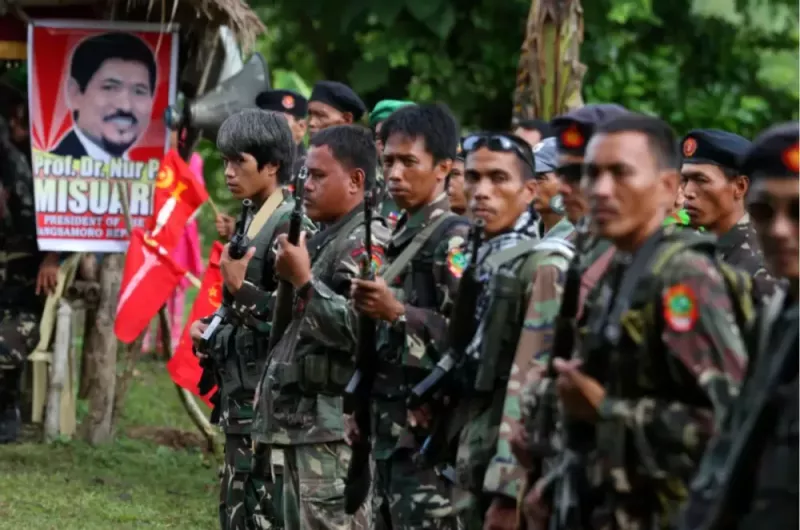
(128,484)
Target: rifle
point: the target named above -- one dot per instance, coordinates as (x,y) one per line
(359,388)
(282,313)
(462,320)
(236,250)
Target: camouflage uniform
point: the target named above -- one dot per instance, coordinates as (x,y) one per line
(20,258)
(739,246)
(504,475)
(414,498)
(300,395)
(670,377)
(238,351)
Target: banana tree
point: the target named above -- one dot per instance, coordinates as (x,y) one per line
(550,73)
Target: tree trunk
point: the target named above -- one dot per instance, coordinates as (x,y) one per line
(59,371)
(100,355)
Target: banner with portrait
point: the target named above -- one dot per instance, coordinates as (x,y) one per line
(97,94)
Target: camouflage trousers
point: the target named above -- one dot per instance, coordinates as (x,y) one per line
(245,502)
(313,490)
(19,333)
(417,498)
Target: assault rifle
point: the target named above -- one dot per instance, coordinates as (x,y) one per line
(282,313)
(236,249)
(359,388)
(460,332)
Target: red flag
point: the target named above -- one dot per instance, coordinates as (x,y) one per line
(148,279)
(177,196)
(184,367)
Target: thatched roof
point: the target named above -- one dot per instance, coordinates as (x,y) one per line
(202,17)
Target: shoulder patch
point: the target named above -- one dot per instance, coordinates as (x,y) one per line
(377,256)
(680,308)
(456,261)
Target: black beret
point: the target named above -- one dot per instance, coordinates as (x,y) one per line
(713,146)
(574,129)
(339,96)
(774,153)
(283,101)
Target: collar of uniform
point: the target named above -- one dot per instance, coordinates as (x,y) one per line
(563,229)
(733,237)
(322,237)
(410,224)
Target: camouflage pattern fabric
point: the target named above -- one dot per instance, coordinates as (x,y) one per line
(296,403)
(678,368)
(504,475)
(418,499)
(314,489)
(411,346)
(245,502)
(739,247)
(19,334)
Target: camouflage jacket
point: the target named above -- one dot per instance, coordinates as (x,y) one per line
(300,393)
(409,348)
(739,246)
(240,344)
(19,252)
(504,475)
(671,378)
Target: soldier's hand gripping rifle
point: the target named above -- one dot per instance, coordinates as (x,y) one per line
(237,248)
(460,331)
(282,312)
(359,389)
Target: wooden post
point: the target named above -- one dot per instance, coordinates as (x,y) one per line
(59,369)
(101,355)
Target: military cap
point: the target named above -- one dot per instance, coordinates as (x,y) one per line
(339,96)
(545,155)
(774,153)
(283,101)
(713,146)
(574,129)
(460,153)
(384,108)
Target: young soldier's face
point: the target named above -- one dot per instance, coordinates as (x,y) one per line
(628,193)
(498,192)
(773,207)
(243,177)
(411,176)
(709,194)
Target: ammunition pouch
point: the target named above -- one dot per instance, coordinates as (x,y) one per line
(240,370)
(326,373)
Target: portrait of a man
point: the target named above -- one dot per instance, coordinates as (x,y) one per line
(109,92)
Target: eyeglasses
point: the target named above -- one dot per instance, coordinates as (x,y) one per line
(497,143)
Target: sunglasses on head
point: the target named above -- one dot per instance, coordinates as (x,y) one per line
(498,143)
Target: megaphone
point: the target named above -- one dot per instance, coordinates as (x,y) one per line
(232,95)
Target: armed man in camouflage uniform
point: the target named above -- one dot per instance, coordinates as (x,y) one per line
(258,152)
(505,477)
(715,191)
(748,477)
(387,207)
(661,357)
(410,300)
(20,260)
(300,396)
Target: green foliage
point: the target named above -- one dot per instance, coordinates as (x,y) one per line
(698,63)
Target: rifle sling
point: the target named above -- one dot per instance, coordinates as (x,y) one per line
(592,275)
(265,212)
(408,253)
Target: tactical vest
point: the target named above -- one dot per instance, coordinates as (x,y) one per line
(507,306)
(625,352)
(299,367)
(244,351)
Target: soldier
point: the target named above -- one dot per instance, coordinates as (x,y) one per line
(20,286)
(505,477)
(333,103)
(295,109)
(456,193)
(715,191)
(381,111)
(409,300)
(258,151)
(748,477)
(548,202)
(301,392)
(661,358)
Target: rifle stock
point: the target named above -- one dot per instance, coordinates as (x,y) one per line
(359,388)
(282,313)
